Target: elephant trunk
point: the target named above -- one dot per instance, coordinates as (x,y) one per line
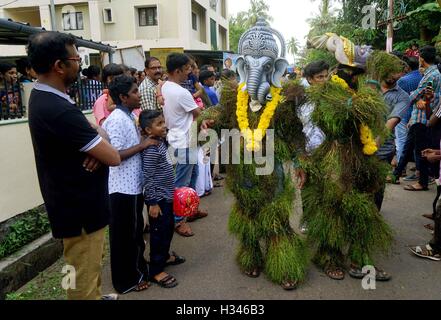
(263,92)
(253,82)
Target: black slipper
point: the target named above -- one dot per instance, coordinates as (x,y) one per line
(176,261)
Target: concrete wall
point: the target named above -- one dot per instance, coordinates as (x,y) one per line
(19,189)
(29,15)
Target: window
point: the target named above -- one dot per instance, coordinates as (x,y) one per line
(213,32)
(108,15)
(73,21)
(194,21)
(148,16)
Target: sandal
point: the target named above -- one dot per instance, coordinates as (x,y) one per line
(428,216)
(430,227)
(380,275)
(335,273)
(183,229)
(356,273)
(217,185)
(143,285)
(425,252)
(177,260)
(393,180)
(199,215)
(289,285)
(412,188)
(254,273)
(167,282)
(218,178)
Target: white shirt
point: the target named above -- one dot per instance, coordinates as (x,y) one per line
(123,134)
(179,104)
(313,134)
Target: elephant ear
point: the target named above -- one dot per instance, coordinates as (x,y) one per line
(240,63)
(280,66)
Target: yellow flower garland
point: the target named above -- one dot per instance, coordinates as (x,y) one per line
(366,136)
(337,80)
(253,138)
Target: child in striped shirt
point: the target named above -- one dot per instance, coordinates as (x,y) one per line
(158,189)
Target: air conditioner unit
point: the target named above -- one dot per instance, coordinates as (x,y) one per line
(108,16)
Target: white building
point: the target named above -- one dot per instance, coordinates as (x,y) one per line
(195,25)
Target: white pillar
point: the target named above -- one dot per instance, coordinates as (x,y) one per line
(184,17)
(45,17)
(95,21)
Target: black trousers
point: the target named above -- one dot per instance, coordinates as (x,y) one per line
(127,246)
(161,235)
(417,139)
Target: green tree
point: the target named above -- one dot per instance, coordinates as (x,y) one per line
(293,47)
(258,9)
(244,20)
(237,28)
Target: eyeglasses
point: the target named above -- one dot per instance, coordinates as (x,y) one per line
(77,59)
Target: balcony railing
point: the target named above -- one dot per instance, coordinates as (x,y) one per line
(85,92)
(11,105)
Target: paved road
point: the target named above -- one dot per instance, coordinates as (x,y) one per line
(211,272)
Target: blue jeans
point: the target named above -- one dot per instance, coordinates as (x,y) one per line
(186,170)
(400,139)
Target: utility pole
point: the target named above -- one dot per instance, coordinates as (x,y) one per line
(390,28)
(53,21)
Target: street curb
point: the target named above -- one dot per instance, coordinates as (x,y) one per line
(22,266)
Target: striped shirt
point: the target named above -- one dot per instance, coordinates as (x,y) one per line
(433,75)
(158,174)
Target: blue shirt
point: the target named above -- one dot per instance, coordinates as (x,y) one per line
(212,95)
(397,101)
(409,83)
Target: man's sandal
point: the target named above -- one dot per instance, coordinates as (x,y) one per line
(289,285)
(167,282)
(143,285)
(177,260)
(426,252)
(428,216)
(413,188)
(380,275)
(430,227)
(335,273)
(183,229)
(254,273)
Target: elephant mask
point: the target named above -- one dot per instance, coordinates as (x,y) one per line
(260,65)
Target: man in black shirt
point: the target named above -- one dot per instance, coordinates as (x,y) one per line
(72,160)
